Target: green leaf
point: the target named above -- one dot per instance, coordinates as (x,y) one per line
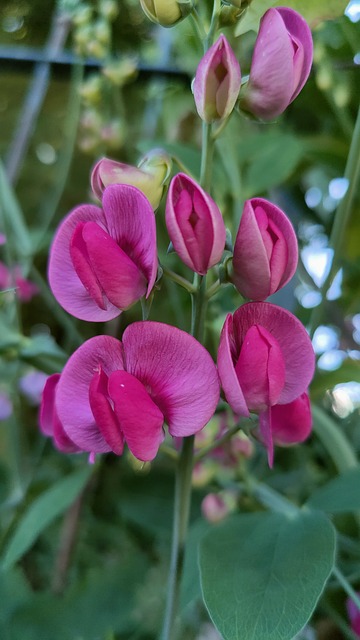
(190,586)
(340,495)
(12,219)
(42,512)
(262,574)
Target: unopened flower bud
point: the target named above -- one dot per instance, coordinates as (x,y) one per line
(150,176)
(195,224)
(217,82)
(265,250)
(166,12)
(280,65)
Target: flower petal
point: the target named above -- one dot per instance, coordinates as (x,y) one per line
(103,413)
(72,397)
(291,423)
(64,281)
(300,32)
(116,273)
(131,223)
(176,370)
(140,419)
(229,380)
(293,340)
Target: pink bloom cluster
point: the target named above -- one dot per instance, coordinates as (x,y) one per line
(104,259)
(280,66)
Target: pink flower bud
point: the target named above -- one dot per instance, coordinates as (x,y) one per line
(215,507)
(150,176)
(280,65)
(265,251)
(195,224)
(217,82)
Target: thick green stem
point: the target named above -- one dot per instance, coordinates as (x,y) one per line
(199,304)
(180,526)
(207,155)
(342,216)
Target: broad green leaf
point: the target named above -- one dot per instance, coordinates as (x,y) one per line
(262,574)
(42,512)
(340,495)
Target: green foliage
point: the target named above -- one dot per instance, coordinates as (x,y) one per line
(262,574)
(340,495)
(42,512)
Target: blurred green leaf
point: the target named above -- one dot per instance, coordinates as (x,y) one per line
(325,380)
(43,352)
(42,512)
(12,219)
(190,586)
(262,574)
(340,495)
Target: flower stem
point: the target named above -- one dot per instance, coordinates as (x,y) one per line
(346,586)
(180,526)
(334,441)
(199,304)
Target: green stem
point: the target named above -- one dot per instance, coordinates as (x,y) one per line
(207,155)
(180,526)
(334,441)
(199,304)
(218,443)
(175,277)
(346,586)
(341,219)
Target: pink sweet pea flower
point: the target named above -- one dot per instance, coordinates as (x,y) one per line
(49,421)
(281,63)
(265,358)
(13,279)
(150,176)
(195,224)
(291,423)
(6,407)
(113,392)
(217,82)
(103,260)
(354,615)
(265,250)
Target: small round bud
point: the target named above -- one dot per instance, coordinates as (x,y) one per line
(166,12)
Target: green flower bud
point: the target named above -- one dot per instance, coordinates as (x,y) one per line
(166,12)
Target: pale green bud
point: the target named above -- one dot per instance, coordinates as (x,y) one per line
(166,12)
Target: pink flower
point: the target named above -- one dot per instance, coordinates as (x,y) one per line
(103,260)
(265,358)
(281,63)
(49,421)
(113,392)
(291,423)
(217,82)
(265,251)
(13,279)
(150,176)
(195,224)
(354,615)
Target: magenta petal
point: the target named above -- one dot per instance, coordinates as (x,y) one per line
(229,379)
(140,419)
(103,413)
(265,250)
(131,223)
(271,75)
(291,423)
(46,413)
(82,265)
(260,369)
(301,35)
(64,282)
(49,421)
(195,224)
(177,372)
(117,274)
(72,397)
(293,340)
